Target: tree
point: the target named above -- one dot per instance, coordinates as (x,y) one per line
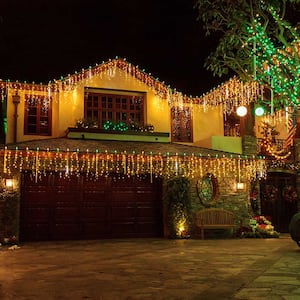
(257,40)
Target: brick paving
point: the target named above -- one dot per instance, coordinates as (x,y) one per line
(146,269)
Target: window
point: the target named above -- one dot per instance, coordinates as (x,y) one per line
(181,124)
(231,125)
(116,107)
(37,116)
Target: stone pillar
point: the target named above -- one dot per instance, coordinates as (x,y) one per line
(249,145)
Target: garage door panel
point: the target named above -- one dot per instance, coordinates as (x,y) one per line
(36,215)
(82,208)
(121,183)
(149,229)
(92,230)
(94,213)
(123,196)
(35,232)
(36,197)
(145,194)
(120,213)
(96,185)
(67,231)
(119,229)
(67,196)
(30,203)
(66,181)
(29,180)
(94,205)
(146,212)
(94,195)
(66,214)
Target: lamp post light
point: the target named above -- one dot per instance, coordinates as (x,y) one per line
(259,111)
(242,112)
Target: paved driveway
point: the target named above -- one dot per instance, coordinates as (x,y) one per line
(152,269)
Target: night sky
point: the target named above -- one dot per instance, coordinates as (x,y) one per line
(42,40)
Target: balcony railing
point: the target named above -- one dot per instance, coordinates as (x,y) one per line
(278,145)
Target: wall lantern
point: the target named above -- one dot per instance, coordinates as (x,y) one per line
(9,183)
(240,185)
(241,111)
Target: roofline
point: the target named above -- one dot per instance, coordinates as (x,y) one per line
(230,90)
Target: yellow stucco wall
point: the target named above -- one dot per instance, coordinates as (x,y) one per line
(207,123)
(71,103)
(68,107)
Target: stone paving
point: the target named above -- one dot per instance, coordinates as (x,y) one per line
(151,269)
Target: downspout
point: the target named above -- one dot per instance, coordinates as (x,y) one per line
(16,102)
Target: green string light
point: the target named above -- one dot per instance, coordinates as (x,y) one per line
(277,66)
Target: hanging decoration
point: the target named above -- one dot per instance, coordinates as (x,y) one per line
(271,193)
(207,189)
(269,146)
(289,194)
(97,163)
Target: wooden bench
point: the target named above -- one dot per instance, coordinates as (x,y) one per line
(214,218)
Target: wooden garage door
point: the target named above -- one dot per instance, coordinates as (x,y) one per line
(78,207)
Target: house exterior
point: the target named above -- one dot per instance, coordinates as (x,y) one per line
(89,153)
(59,105)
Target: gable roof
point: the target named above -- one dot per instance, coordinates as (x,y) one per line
(234,91)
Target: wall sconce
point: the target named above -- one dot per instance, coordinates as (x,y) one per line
(240,185)
(9,183)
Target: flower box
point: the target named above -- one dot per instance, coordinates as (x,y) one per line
(115,135)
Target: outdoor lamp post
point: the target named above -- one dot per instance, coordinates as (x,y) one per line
(246,120)
(16,102)
(242,112)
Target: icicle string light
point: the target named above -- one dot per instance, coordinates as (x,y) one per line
(95,164)
(4,160)
(230,95)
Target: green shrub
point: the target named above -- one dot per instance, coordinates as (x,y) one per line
(177,201)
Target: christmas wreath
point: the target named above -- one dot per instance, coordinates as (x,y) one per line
(271,193)
(207,189)
(289,194)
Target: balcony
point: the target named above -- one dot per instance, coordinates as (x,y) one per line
(232,144)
